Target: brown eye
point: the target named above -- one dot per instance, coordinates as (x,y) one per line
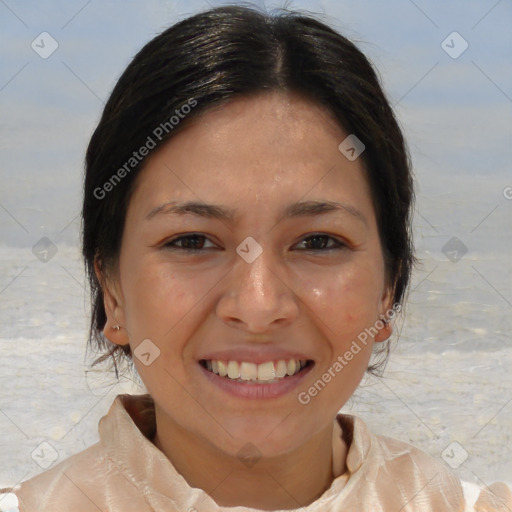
(190,243)
(318,242)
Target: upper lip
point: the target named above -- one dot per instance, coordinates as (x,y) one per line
(257,355)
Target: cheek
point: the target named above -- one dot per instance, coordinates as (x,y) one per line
(159,298)
(345,299)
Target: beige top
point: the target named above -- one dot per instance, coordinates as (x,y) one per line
(126,472)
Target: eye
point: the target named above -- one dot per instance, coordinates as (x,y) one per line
(190,243)
(318,241)
(194,243)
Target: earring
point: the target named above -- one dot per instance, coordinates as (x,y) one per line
(116,327)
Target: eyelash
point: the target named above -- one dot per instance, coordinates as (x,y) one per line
(168,245)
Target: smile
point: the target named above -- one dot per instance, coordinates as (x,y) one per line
(243,372)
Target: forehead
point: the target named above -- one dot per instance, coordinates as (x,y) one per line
(284,128)
(265,148)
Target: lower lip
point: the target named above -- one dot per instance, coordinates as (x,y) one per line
(254,390)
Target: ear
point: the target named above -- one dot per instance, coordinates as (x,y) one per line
(385,307)
(113,302)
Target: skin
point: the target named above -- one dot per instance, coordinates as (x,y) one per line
(254,155)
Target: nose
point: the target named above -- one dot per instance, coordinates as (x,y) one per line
(257,297)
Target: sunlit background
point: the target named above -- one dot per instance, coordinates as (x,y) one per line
(446,67)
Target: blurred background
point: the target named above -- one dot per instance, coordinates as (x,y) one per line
(446,67)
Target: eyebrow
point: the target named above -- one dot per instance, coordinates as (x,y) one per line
(294,210)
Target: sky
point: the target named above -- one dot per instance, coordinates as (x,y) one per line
(456,112)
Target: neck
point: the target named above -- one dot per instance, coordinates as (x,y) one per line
(288,481)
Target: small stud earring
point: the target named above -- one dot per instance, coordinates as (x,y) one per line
(116,327)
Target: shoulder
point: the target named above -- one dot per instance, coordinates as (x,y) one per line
(370,451)
(86,482)
(496,497)
(72,481)
(425,478)
(401,477)
(105,476)
(400,452)
(439,480)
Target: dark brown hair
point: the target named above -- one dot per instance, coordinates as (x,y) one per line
(211,58)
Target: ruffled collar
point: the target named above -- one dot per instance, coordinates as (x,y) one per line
(126,433)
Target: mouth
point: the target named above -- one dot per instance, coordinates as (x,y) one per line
(245,372)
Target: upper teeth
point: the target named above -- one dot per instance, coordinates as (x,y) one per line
(251,371)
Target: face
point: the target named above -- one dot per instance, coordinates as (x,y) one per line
(260,275)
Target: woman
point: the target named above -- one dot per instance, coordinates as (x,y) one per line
(246,230)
